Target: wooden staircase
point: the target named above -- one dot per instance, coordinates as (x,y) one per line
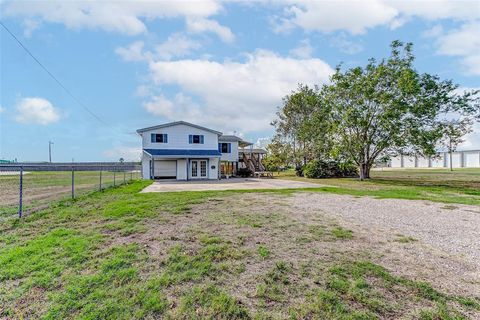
(253,163)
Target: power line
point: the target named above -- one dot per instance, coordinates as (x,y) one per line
(53,77)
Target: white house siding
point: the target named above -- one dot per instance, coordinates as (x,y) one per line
(233,156)
(460,159)
(178,138)
(145,166)
(181,169)
(213,173)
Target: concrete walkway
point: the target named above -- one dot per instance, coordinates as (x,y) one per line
(227,184)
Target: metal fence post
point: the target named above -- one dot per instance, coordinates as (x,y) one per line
(131,175)
(100,186)
(20,203)
(124,181)
(114,176)
(73,182)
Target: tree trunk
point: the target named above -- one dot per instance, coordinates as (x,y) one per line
(450,151)
(364,171)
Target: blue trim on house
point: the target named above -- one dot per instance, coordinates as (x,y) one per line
(182,152)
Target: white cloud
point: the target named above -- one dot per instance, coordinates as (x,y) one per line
(181,107)
(329,16)
(199,25)
(464,43)
(176,45)
(303,51)
(125,17)
(356,17)
(472,140)
(239,96)
(125,152)
(345,45)
(36,110)
(134,52)
(2,109)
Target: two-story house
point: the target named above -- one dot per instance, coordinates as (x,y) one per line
(185,151)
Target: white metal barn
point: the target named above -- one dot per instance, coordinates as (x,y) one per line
(460,159)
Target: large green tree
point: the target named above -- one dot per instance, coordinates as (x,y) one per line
(301,124)
(387,107)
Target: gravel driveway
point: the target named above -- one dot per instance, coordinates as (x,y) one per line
(454,229)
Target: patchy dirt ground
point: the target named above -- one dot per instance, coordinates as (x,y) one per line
(425,240)
(309,233)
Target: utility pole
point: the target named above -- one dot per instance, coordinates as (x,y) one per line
(50,151)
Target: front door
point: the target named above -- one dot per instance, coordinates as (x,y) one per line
(198,169)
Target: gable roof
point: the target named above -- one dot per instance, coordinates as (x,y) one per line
(242,143)
(175,123)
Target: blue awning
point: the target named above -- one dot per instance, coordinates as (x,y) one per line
(183,152)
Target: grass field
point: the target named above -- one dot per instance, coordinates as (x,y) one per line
(40,188)
(458,186)
(120,254)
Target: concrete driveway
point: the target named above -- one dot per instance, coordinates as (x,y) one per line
(226,184)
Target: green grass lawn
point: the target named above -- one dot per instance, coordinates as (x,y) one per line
(121,254)
(40,188)
(458,186)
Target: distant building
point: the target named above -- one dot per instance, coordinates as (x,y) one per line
(460,159)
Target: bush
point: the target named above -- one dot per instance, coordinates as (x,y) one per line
(329,169)
(299,171)
(244,172)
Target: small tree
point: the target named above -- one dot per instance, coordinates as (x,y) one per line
(454,131)
(277,157)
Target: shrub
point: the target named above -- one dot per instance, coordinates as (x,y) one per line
(329,169)
(299,171)
(244,172)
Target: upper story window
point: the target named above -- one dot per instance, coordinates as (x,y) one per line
(225,147)
(196,139)
(159,138)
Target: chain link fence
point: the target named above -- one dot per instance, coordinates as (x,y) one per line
(29,187)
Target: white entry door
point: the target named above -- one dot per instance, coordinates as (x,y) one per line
(198,169)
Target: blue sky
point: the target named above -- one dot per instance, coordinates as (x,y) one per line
(225,65)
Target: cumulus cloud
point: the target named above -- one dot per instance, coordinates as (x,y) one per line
(464,43)
(133,52)
(181,107)
(239,95)
(328,16)
(303,51)
(36,111)
(356,17)
(125,17)
(199,25)
(345,45)
(176,45)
